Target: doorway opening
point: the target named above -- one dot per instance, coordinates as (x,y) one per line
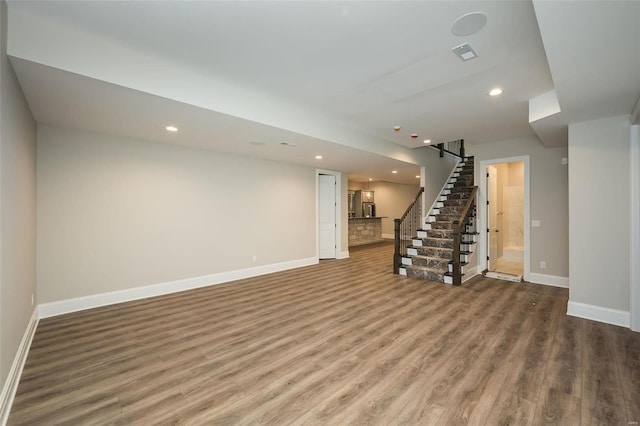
(505,189)
(327,244)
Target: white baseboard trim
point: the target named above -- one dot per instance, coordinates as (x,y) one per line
(11,384)
(104,299)
(388,236)
(343,255)
(599,313)
(470,274)
(552,280)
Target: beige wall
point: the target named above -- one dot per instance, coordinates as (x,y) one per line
(392,199)
(548,198)
(17,210)
(516,173)
(115,214)
(599,191)
(514,205)
(510,205)
(502,177)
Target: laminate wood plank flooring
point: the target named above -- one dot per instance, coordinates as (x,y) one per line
(342,342)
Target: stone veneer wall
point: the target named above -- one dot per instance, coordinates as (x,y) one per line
(364,231)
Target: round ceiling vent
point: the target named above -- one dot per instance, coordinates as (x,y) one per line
(469,24)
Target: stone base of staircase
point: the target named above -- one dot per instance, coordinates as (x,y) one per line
(422,272)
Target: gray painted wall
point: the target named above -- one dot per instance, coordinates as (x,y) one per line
(549,198)
(599,195)
(17,209)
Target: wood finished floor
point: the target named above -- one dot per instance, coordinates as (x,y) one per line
(343,342)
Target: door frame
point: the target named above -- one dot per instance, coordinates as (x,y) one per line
(327,212)
(635,228)
(489,217)
(340,220)
(482,212)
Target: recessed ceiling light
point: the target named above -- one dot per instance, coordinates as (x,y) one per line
(285,143)
(370,179)
(427,141)
(414,135)
(171,128)
(394,171)
(396,128)
(418,176)
(318,157)
(495,92)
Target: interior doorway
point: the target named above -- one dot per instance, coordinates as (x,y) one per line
(505,189)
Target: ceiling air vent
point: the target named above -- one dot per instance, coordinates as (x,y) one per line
(464,52)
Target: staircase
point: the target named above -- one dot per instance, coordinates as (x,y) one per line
(432,253)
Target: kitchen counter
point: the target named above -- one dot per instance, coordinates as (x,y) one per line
(365,230)
(367,218)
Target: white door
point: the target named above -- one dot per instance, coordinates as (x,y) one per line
(327,216)
(492,216)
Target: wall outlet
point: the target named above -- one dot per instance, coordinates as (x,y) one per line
(543,265)
(565,161)
(535,224)
(254,258)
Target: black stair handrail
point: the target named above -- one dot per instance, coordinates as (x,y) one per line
(450,148)
(406,225)
(457,232)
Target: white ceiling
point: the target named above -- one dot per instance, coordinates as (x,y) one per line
(593,49)
(63,99)
(353,69)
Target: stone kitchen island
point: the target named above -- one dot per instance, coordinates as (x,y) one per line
(365,230)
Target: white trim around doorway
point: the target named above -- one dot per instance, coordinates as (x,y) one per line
(340,254)
(482,212)
(635,228)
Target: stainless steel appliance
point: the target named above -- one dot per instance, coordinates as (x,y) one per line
(368,209)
